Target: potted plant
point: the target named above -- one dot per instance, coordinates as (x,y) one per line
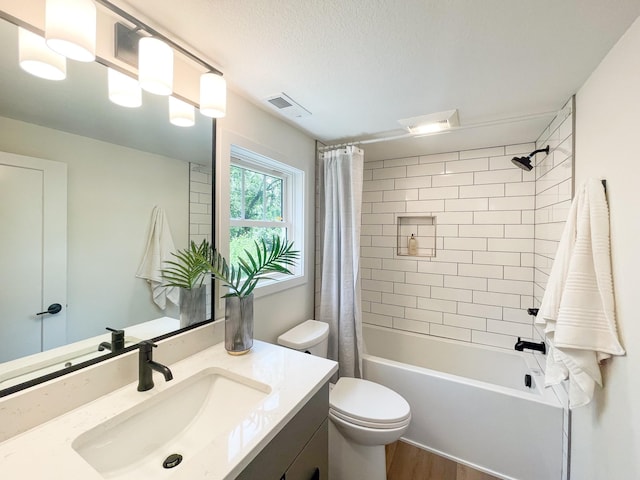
(197,261)
(189,272)
(241,281)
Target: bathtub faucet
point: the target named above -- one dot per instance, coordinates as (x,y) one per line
(522,344)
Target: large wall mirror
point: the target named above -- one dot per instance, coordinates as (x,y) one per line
(115,165)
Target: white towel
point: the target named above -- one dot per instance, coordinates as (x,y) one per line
(578,304)
(159,248)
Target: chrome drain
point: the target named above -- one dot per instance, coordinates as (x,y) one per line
(172,460)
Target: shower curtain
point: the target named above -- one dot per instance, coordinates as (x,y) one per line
(340,307)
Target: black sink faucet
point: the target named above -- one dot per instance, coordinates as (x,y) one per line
(117,341)
(146,365)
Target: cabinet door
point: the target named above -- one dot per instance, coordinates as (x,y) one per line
(311,463)
(286,447)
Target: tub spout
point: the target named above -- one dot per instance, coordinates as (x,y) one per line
(522,344)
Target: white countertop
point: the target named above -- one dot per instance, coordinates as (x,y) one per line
(46,451)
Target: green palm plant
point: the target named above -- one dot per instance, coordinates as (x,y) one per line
(241,279)
(190,268)
(195,262)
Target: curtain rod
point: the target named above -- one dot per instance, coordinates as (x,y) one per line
(455,129)
(364,142)
(143,26)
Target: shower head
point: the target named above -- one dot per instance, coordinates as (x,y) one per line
(525,162)
(522,162)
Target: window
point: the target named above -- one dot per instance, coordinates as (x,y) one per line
(256,209)
(265,199)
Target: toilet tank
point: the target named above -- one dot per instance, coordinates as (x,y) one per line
(311,336)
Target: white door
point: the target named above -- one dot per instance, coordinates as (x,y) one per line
(33,254)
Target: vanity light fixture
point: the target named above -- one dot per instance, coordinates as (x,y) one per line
(123,90)
(155,66)
(38,59)
(213,95)
(432,123)
(70,28)
(70,31)
(181,113)
(128,48)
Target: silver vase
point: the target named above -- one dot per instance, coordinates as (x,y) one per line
(238,324)
(193,307)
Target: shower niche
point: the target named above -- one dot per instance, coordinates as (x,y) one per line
(416,235)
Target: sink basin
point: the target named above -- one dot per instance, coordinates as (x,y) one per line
(179,420)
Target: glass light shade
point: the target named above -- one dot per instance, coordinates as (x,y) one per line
(70,28)
(213,95)
(123,90)
(155,66)
(38,59)
(181,113)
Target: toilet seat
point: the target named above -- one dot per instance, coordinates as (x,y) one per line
(363,423)
(366,435)
(368,404)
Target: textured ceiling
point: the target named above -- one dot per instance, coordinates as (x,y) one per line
(359,66)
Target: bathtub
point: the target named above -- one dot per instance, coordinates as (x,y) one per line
(469,403)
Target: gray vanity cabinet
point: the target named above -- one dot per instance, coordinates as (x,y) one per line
(311,463)
(300,450)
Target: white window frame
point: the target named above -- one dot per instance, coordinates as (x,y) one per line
(293,211)
(238,159)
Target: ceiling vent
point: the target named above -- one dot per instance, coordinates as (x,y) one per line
(432,123)
(287,106)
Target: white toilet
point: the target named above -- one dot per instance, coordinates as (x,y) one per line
(365,416)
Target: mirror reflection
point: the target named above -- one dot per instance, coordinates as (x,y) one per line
(79,180)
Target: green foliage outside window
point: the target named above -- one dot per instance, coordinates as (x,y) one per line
(244,238)
(255,196)
(261,198)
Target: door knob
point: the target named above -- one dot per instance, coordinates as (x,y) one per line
(53,309)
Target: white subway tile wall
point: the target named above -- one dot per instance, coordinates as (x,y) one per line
(200,208)
(482,272)
(554,191)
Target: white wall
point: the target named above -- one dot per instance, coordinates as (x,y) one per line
(258,130)
(111,193)
(606,434)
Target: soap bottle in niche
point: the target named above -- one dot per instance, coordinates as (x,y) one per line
(412,245)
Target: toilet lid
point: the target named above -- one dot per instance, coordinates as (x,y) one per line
(368,403)
(305,335)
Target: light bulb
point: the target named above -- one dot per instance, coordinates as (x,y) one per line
(181,113)
(123,90)
(155,66)
(70,28)
(36,58)
(213,95)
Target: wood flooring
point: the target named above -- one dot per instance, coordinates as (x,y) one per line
(406,462)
